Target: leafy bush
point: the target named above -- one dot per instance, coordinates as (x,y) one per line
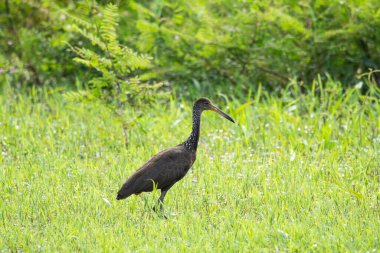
(247,42)
(33,50)
(199,46)
(115,82)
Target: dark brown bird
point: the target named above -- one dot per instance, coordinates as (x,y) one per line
(169,166)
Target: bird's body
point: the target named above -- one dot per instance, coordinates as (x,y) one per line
(169,166)
(164,169)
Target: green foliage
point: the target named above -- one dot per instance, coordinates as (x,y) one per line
(210,45)
(199,47)
(116,81)
(32,40)
(297,173)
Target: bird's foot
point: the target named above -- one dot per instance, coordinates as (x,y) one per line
(159,211)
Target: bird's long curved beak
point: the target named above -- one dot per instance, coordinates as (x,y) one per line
(216,109)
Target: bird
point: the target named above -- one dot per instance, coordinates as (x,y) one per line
(169,166)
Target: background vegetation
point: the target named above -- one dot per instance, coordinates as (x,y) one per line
(89,90)
(200,46)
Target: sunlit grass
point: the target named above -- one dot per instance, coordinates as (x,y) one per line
(292,175)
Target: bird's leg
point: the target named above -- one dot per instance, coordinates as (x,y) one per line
(161,198)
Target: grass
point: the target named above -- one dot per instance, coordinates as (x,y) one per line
(292,175)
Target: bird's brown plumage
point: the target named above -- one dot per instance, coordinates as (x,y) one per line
(164,169)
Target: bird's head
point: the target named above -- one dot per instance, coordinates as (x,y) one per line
(203,104)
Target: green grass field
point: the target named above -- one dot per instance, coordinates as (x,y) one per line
(292,175)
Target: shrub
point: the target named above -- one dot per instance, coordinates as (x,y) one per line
(33,50)
(201,46)
(115,80)
(230,43)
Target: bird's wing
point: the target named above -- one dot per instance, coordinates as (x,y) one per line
(164,169)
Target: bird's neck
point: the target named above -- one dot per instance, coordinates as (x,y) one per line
(192,142)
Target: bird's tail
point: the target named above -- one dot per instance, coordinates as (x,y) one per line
(123,193)
(119,197)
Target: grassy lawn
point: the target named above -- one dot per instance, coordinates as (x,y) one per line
(292,175)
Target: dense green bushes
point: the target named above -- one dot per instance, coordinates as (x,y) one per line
(198,45)
(240,42)
(33,44)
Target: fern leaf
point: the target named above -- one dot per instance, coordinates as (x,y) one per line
(109,24)
(80,21)
(95,40)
